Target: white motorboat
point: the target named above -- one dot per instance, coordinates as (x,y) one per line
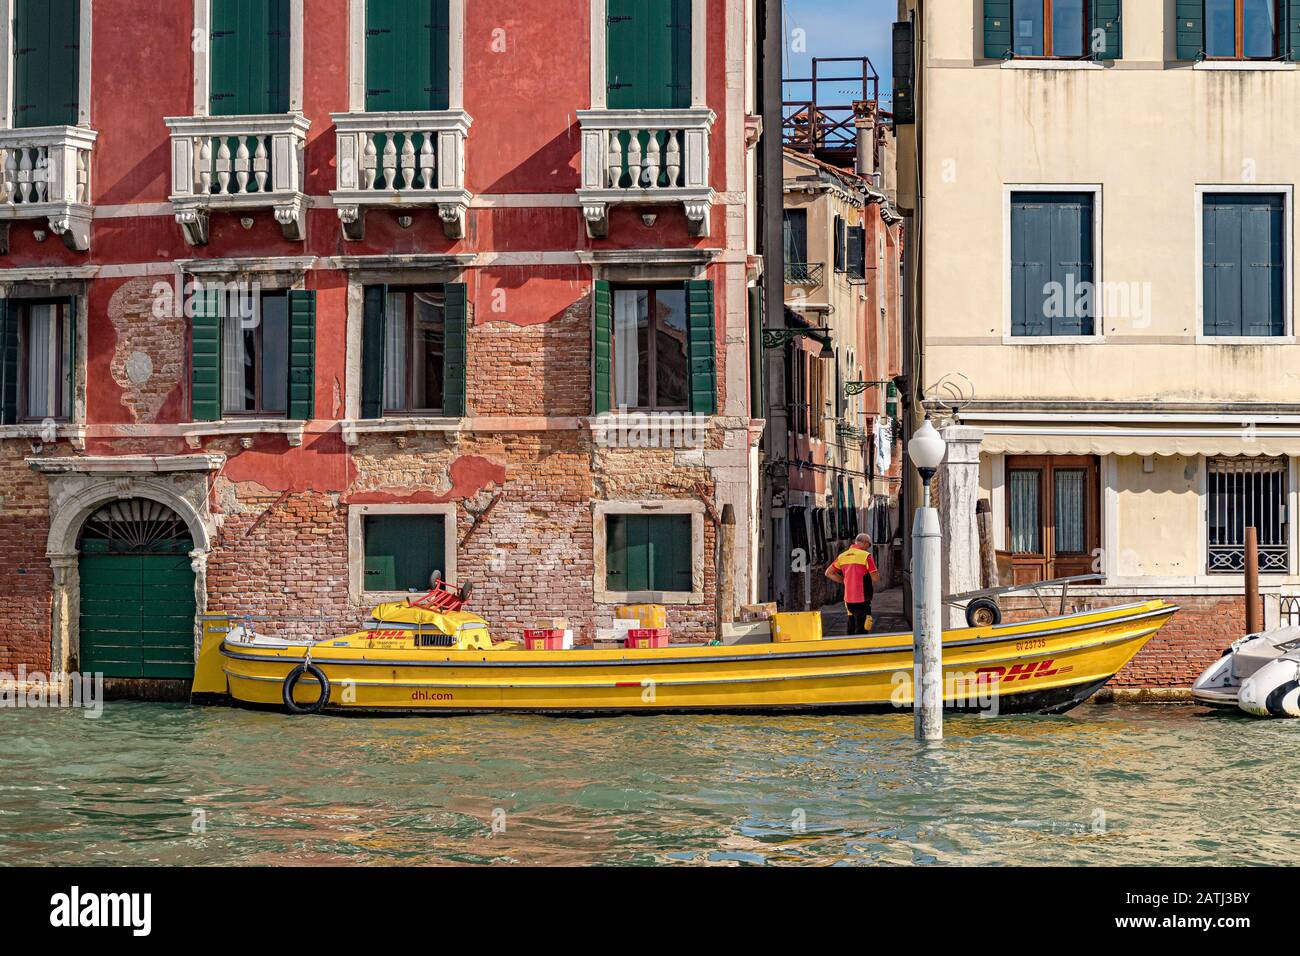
(1260,673)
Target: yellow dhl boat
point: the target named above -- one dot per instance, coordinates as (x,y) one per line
(416,660)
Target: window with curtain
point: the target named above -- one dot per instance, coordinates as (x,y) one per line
(1242,29)
(1243,258)
(414,340)
(650,349)
(1053,508)
(45,367)
(255,354)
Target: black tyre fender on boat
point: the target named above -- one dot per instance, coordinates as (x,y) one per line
(1276,701)
(290,682)
(983,612)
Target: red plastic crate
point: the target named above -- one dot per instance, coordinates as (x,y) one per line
(641,638)
(543,639)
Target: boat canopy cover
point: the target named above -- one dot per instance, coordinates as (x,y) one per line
(448,622)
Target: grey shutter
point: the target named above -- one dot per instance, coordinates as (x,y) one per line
(1244,274)
(372,351)
(1072,260)
(1290,29)
(1052,258)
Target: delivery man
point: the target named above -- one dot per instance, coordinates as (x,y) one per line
(854,569)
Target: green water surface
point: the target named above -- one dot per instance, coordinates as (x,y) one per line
(172,784)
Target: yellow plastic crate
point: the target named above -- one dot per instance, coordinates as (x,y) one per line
(650,615)
(796,626)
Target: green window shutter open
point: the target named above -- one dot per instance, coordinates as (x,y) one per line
(648,54)
(455,350)
(997,29)
(1107,27)
(249,49)
(372,352)
(700,333)
(1291,29)
(71,370)
(47,57)
(205,358)
(602,347)
(8,362)
(302,355)
(1244,274)
(1191,29)
(407,44)
(1051,260)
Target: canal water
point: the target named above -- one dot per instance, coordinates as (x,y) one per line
(159,783)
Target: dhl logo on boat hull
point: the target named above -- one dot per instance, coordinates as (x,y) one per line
(1017,672)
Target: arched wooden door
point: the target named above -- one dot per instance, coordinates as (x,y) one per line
(137,592)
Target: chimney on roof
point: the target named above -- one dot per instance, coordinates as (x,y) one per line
(864,122)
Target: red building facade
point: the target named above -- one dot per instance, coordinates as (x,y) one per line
(306,299)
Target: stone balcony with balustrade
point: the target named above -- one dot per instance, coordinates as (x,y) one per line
(647,157)
(238,164)
(402,161)
(47,176)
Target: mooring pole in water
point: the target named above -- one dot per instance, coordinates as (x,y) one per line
(926,450)
(1253,624)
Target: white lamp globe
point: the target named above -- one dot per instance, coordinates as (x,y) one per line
(927,447)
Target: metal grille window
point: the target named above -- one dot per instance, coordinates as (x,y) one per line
(1241,493)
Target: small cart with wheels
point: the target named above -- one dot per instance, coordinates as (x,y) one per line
(983,610)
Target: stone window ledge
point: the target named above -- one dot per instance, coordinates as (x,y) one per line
(35,431)
(245,429)
(406,425)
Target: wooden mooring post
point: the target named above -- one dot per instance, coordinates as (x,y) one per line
(1253,623)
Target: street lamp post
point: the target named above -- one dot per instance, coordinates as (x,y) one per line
(926,451)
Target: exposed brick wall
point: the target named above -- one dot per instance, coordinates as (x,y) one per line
(26,581)
(1193,639)
(148,360)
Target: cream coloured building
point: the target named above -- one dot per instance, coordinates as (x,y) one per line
(1103,211)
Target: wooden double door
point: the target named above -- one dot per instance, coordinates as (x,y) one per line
(1053,509)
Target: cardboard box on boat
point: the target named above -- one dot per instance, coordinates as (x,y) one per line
(650,615)
(757,612)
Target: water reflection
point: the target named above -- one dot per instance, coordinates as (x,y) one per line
(1109,785)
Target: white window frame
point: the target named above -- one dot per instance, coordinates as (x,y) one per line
(201,43)
(699,54)
(600,542)
(357,55)
(1098,275)
(1288,336)
(7,70)
(357,594)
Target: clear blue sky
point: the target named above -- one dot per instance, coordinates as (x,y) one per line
(839,28)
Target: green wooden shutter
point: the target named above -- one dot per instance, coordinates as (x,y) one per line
(455,354)
(372,351)
(249,49)
(616,553)
(205,358)
(1291,29)
(648,54)
(407,50)
(1106,28)
(403,551)
(9,315)
(841,239)
(668,540)
(302,355)
(700,333)
(1191,29)
(47,58)
(997,29)
(857,242)
(602,348)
